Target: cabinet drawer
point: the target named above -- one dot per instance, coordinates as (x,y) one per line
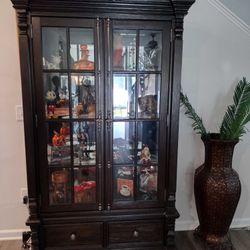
(74,234)
(135,231)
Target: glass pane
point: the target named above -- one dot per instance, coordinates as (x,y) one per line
(148,142)
(54,48)
(123,142)
(149,96)
(60,190)
(147,182)
(124,183)
(124,50)
(84,142)
(150,50)
(85,185)
(56,94)
(83,95)
(124,96)
(58,146)
(82,53)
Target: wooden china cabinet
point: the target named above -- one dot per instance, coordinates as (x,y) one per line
(100,85)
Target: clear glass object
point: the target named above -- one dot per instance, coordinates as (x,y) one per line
(82,49)
(123,142)
(83,95)
(148,89)
(150,50)
(56,95)
(124,96)
(84,143)
(54,48)
(124,50)
(85,185)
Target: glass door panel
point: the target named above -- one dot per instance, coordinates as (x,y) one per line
(124,96)
(124,50)
(150,50)
(56,95)
(82,52)
(68,92)
(148,90)
(84,141)
(54,48)
(136,106)
(85,185)
(83,95)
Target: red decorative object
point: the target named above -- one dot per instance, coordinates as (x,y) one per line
(58,140)
(65,129)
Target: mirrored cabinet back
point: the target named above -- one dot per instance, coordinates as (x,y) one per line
(100,86)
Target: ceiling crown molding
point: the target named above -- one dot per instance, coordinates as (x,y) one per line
(231,16)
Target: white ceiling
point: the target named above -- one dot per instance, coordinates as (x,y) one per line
(239,7)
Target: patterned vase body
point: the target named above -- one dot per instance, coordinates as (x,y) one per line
(217,190)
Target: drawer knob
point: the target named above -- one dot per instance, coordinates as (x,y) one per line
(73,236)
(136,234)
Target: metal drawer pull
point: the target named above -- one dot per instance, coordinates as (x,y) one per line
(136,234)
(73,236)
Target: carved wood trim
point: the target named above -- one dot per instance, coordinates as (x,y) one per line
(22,21)
(155,7)
(178,29)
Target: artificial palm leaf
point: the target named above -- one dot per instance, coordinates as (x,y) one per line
(237,114)
(190,112)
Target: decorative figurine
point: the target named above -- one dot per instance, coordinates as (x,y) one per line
(83,139)
(85,94)
(58,140)
(51,103)
(150,56)
(145,156)
(84,62)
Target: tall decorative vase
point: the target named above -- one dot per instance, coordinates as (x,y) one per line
(217,190)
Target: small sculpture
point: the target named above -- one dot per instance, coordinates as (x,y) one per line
(84,62)
(145,155)
(51,103)
(58,140)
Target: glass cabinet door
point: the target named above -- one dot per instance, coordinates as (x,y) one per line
(67,117)
(138,81)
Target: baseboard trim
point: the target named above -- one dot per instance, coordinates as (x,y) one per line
(11,234)
(191,225)
(231,16)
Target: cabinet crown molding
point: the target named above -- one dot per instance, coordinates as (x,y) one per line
(155,7)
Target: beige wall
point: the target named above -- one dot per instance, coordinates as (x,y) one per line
(216,56)
(12,155)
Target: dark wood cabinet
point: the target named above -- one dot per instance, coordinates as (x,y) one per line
(100,84)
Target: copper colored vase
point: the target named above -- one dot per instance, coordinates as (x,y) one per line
(217,190)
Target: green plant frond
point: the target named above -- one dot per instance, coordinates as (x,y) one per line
(190,112)
(237,114)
